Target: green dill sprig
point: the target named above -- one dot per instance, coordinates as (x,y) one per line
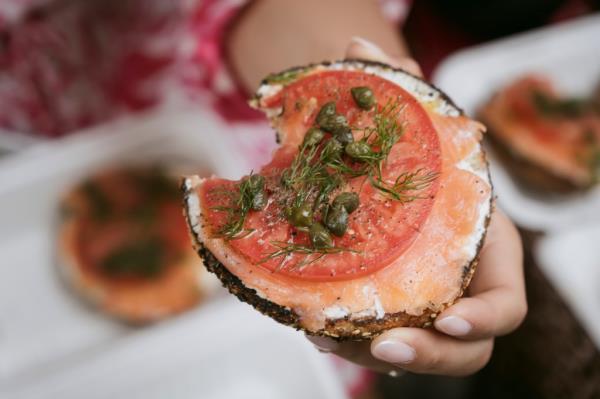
(310,168)
(322,166)
(383,135)
(385,132)
(285,249)
(308,175)
(551,106)
(306,169)
(249,190)
(377,142)
(405,184)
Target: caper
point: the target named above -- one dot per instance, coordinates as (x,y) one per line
(348,200)
(334,124)
(256,183)
(302,215)
(363,96)
(337,220)
(344,135)
(259,200)
(313,136)
(332,149)
(358,149)
(319,236)
(326,111)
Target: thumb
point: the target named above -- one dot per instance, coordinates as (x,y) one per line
(363,49)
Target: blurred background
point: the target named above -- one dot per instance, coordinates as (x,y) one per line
(106,101)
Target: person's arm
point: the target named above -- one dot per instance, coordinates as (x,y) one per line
(273,35)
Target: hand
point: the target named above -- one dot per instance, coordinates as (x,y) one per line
(462,339)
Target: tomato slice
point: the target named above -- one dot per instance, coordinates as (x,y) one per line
(381,229)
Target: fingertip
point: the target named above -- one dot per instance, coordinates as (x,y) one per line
(360,47)
(469,318)
(455,326)
(394,346)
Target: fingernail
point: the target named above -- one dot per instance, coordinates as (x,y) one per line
(396,352)
(371,47)
(453,325)
(323,344)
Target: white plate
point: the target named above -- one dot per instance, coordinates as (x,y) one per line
(51,345)
(227,352)
(569,255)
(14,141)
(568,53)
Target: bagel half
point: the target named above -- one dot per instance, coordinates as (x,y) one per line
(405,274)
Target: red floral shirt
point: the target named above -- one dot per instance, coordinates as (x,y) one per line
(66,64)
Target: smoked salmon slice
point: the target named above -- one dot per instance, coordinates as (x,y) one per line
(369,216)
